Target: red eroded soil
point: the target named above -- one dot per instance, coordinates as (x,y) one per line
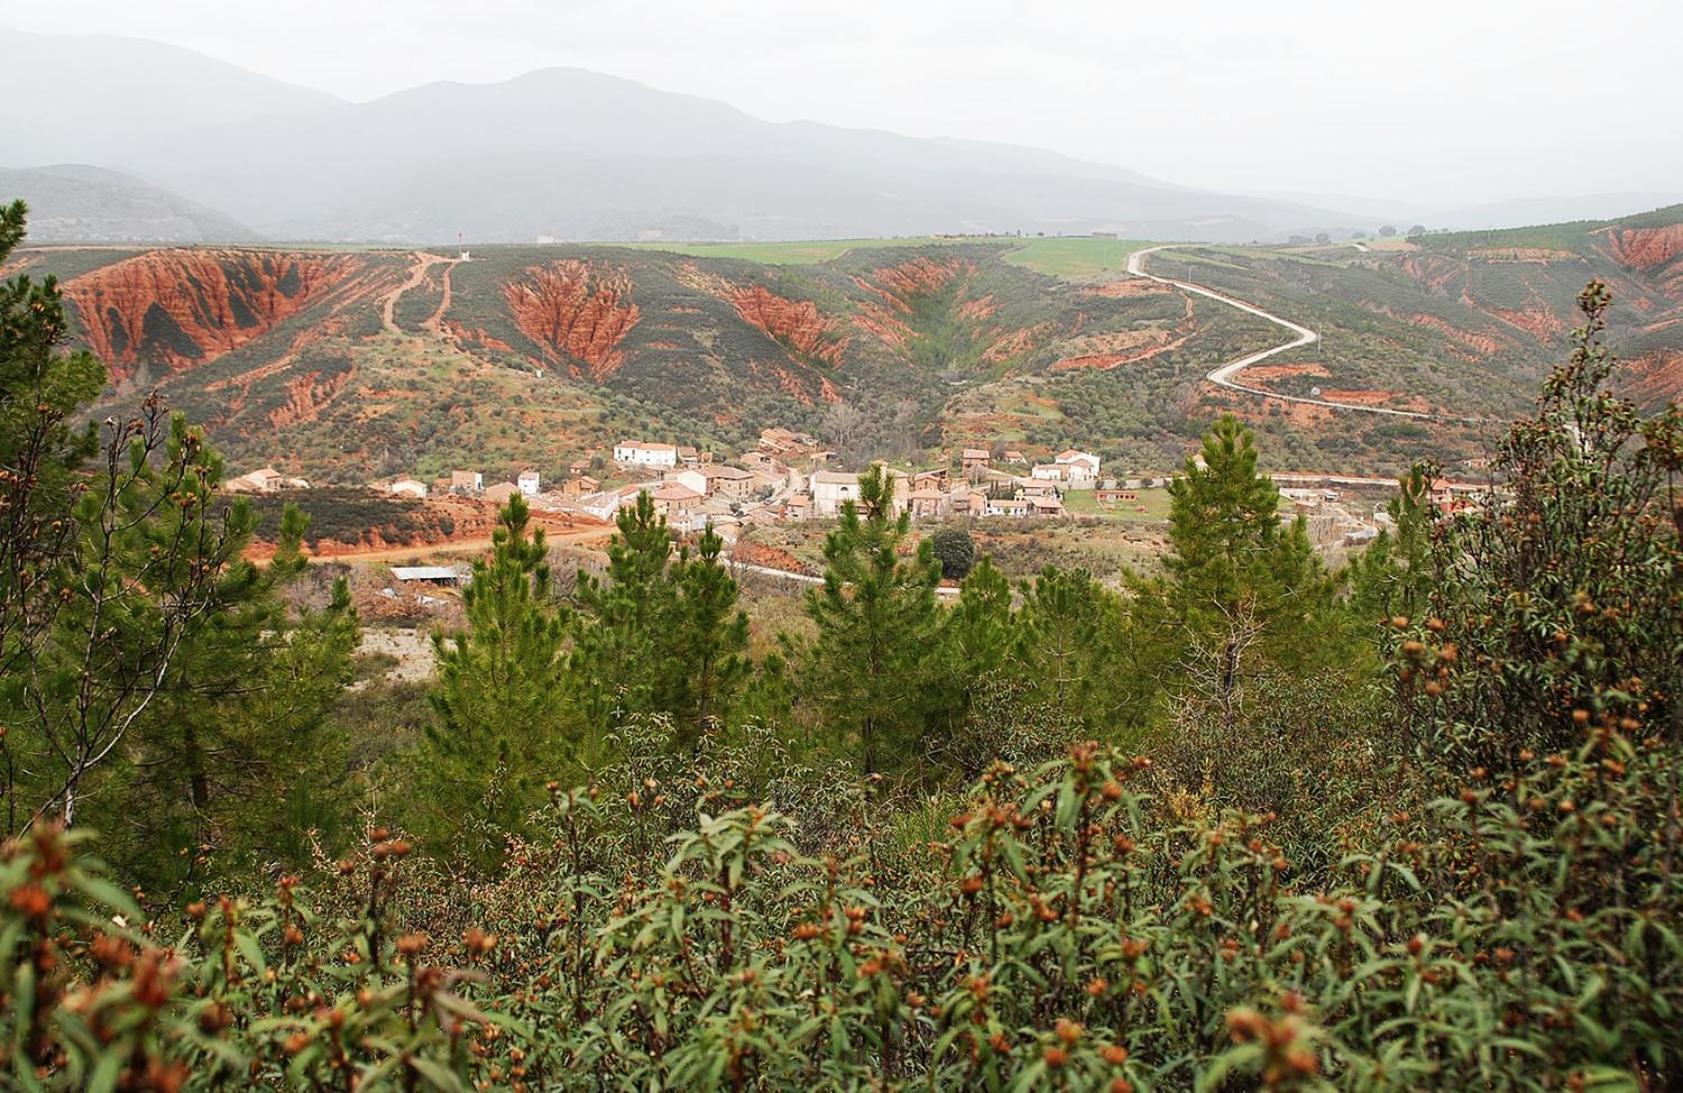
(177,308)
(1434,271)
(894,289)
(577,312)
(1107,351)
(1359,398)
(1473,344)
(921,276)
(1539,320)
(1268,373)
(749,552)
(797,325)
(1016,342)
(1654,377)
(1129,286)
(1645,248)
(307,396)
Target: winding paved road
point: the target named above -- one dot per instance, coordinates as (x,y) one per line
(1226,375)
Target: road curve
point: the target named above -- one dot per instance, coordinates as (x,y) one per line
(1225,376)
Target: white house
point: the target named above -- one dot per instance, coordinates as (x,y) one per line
(1081,468)
(528,482)
(693,480)
(678,504)
(1049,472)
(830,489)
(638,453)
(407,487)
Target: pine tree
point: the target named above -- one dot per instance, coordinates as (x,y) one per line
(1224,524)
(703,646)
(234,744)
(1069,642)
(878,624)
(1392,576)
(1240,588)
(500,695)
(616,666)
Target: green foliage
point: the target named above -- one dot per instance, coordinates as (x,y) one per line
(499,696)
(1555,605)
(1064,928)
(955,550)
(877,624)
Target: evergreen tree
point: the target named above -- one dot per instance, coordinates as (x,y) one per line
(500,694)
(878,624)
(1224,525)
(1069,640)
(702,648)
(1240,588)
(622,617)
(232,753)
(1392,576)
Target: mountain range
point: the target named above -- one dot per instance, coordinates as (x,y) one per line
(562,152)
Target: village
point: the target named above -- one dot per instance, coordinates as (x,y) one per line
(791,477)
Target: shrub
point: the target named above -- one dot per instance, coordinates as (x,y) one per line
(955,550)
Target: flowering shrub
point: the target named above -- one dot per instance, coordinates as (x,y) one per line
(1520,934)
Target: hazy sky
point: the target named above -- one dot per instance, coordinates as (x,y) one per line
(1441,101)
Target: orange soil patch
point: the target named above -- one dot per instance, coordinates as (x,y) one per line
(476,336)
(1268,373)
(894,288)
(472,523)
(1359,398)
(1539,320)
(1645,248)
(576,312)
(1111,349)
(1432,270)
(1014,343)
(797,325)
(179,308)
(789,383)
(1656,376)
(1129,286)
(307,396)
(1521,254)
(749,552)
(1467,344)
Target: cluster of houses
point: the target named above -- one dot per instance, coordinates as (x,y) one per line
(787,476)
(265,480)
(790,476)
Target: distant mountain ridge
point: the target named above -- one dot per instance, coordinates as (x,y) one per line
(76,203)
(566,153)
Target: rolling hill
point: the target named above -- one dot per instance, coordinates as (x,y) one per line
(345,364)
(75,203)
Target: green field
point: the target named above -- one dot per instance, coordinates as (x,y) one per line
(1086,503)
(1072,258)
(798,252)
(1075,258)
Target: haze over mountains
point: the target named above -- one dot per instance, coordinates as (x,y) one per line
(218,153)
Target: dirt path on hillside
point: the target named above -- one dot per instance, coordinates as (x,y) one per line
(435,321)
(423,261)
